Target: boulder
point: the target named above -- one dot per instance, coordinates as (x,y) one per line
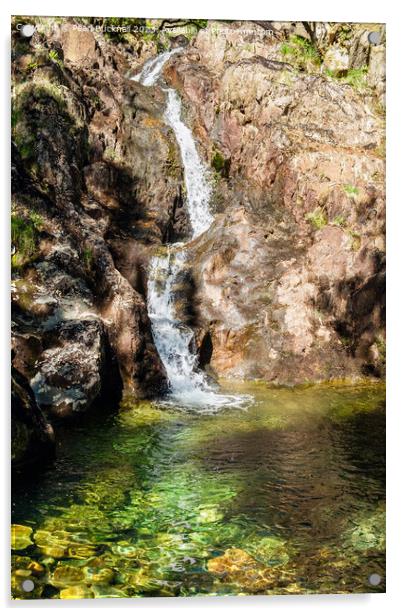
(71,373)
(336,60)
(78,46)
(32,437)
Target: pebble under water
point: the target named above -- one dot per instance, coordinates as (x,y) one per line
(286,496)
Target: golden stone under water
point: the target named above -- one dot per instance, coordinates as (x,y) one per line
(20,537)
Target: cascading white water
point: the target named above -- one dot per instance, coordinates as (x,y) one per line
(188,386)
(152,68)
(195,173)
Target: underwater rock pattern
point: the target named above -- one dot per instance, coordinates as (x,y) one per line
(252,502)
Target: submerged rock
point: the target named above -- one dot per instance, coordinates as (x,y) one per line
(237,567)
(20,537)
(126,549)
(21,590)
(107,592)
(271,551)
(98,575)
(63,544)
(65,575)
(207,515)
(77,592)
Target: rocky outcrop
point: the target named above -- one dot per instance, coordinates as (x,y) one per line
(32,437)
(96,182)
(290,278)
(100,185)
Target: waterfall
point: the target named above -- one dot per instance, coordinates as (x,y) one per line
(195,174)
(152,68)
(188,385)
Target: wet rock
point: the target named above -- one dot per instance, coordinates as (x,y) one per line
(65,575)
(98,575)
(32,437)
(237,567)
(71,374)
(20,537)
(77,592)
(207,514)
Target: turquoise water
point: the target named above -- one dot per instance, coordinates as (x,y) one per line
(286,496)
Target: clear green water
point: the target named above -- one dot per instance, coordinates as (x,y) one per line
(287,496)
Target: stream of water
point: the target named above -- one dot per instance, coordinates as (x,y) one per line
(188,385)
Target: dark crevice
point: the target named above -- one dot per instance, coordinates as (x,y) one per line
(205,351)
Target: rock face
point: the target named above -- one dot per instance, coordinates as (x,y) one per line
(99,186)
(78,46)
(96,182)
(32,437)
(288,283)
(290,278)
(73,373)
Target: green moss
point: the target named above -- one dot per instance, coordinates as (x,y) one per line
(317,218)
(32,66)
(339,221)
(200,23)
(96,102)
(351,190)
(24,237)
(26,149)
(54,57)
(355,77)
(109,154)
(344,33)
(119,29)
(37,92)
(88,257)
(219,163)
(301,53)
